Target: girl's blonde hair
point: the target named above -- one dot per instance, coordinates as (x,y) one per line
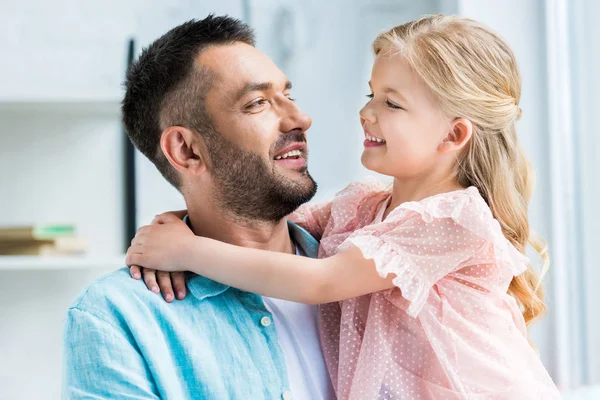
(473,74)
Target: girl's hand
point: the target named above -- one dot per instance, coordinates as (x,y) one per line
(165,282)
(170,284)
(161,245)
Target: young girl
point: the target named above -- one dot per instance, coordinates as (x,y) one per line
(424,287)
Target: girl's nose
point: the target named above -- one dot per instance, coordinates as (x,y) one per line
(367,114)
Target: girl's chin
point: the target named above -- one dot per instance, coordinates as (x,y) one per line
(372,162)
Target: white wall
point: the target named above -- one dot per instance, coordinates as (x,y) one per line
(77,49)
(586,82)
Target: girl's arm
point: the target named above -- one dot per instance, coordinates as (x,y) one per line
(285,276)
(272,274)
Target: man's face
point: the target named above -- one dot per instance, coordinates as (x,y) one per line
(258,154)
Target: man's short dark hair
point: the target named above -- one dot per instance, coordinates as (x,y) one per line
(164,88)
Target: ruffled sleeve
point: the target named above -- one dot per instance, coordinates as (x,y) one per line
(313,218)
(422,242)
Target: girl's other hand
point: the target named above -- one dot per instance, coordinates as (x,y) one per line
(161,245)
(170,284)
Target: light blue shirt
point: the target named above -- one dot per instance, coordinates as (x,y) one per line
(122,341)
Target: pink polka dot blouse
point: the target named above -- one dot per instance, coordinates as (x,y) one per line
(448,329)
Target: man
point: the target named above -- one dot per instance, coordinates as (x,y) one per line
(215,116)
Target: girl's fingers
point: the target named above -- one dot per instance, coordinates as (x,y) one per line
(166,287)
(178,280)
(150,280)
(135,272)
(135,248)
(134,259)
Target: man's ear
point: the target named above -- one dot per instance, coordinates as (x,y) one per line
(459,134)
(184,149)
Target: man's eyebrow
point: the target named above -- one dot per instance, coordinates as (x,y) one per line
(256,87)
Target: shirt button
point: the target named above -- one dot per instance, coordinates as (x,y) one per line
(287,395)
(265,321)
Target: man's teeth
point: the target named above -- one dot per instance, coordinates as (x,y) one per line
(293,153)
(374,139)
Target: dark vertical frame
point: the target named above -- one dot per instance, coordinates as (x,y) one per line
(129,171)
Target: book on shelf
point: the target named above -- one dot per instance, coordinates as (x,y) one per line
(57,246)
(41,240)
(35,232)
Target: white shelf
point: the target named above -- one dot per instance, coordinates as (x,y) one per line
(35,263)
(101,106)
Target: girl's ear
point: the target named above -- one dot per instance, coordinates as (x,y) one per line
(461,130)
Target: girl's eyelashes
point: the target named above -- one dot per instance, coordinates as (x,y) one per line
(388,103)
(392,105)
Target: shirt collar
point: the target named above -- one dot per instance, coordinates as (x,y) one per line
(203,288)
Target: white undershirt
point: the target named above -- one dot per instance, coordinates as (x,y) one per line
(298,336)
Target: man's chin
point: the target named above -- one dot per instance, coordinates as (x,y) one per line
(297,181)
(297,174)
(299,178)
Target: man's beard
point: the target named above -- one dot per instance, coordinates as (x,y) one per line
(251,189)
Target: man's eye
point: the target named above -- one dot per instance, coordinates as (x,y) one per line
(370,96)
(257,103)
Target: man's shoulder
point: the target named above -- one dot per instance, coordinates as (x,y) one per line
(114,293)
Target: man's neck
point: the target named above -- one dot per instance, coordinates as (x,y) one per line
(273,236)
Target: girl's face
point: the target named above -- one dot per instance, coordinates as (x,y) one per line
(404,127)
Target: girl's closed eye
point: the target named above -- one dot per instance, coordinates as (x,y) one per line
(393,106)
(388,103)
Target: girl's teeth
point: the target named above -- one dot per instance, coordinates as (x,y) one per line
(374,139)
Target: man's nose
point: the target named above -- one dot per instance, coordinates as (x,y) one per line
(294,118)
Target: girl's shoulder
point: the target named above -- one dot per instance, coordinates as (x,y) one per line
(465,207)
(464,211)
(359,199)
